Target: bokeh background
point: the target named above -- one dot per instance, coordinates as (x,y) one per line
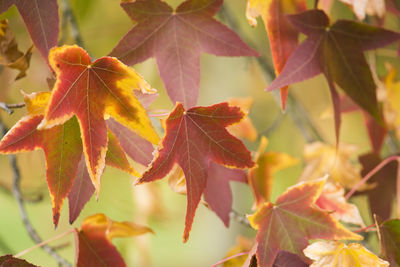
(102,24)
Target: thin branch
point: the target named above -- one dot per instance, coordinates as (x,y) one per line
(9,107)
(234,215)
(68,15)
(295,109)
(18,196)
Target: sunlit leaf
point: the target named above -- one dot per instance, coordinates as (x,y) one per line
(177,38)
(193,139)
(91,91)
(336,254)
(94,247)
(292,221)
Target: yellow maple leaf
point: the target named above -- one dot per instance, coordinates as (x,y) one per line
(322,159)
(336,254)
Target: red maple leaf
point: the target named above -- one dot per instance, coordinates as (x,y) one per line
(92,91)
(193,139)
(62,146)
(337,52)
(176,38)
(292,221)
(41,19)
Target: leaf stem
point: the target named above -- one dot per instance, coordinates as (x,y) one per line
(373,172)
(229,258)
(41,244)
(18,196)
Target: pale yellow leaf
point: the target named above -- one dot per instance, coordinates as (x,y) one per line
(336,254)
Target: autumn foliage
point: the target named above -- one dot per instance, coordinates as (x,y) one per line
(93,112)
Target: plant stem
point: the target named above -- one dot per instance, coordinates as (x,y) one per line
(18,196)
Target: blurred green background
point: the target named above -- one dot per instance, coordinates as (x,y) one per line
(102,24)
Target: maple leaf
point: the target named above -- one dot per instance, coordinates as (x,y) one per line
(91,91)
(62,147)
(41,19)
(261,176)
(389,237)
(10,261)
(193,138)
(10,55)
(337,52)
(336,254)
(324,159)
(332,199)
(292,221)
(370,7)
(176,39)
(283,37)
(93,241)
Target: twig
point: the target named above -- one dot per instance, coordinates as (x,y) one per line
(68,15)
(18,196)
(372,173)
(43,243)
(9,107)
(234,215)
(316,4)
(296,110)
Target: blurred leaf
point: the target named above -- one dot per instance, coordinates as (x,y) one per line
(177,38)
(332,199)
(193,138)
(292,221)
(322,159)
(370,7)
(389,237)
(283,37)
(10,261)
(383,193)
(10,55)
(94,245)
(336,254)
(41,20)
(243,244)
(109,94)
(262,175)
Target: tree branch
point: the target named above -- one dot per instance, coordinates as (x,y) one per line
(9,107)
(18,196)
(234,215)
(69,16)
